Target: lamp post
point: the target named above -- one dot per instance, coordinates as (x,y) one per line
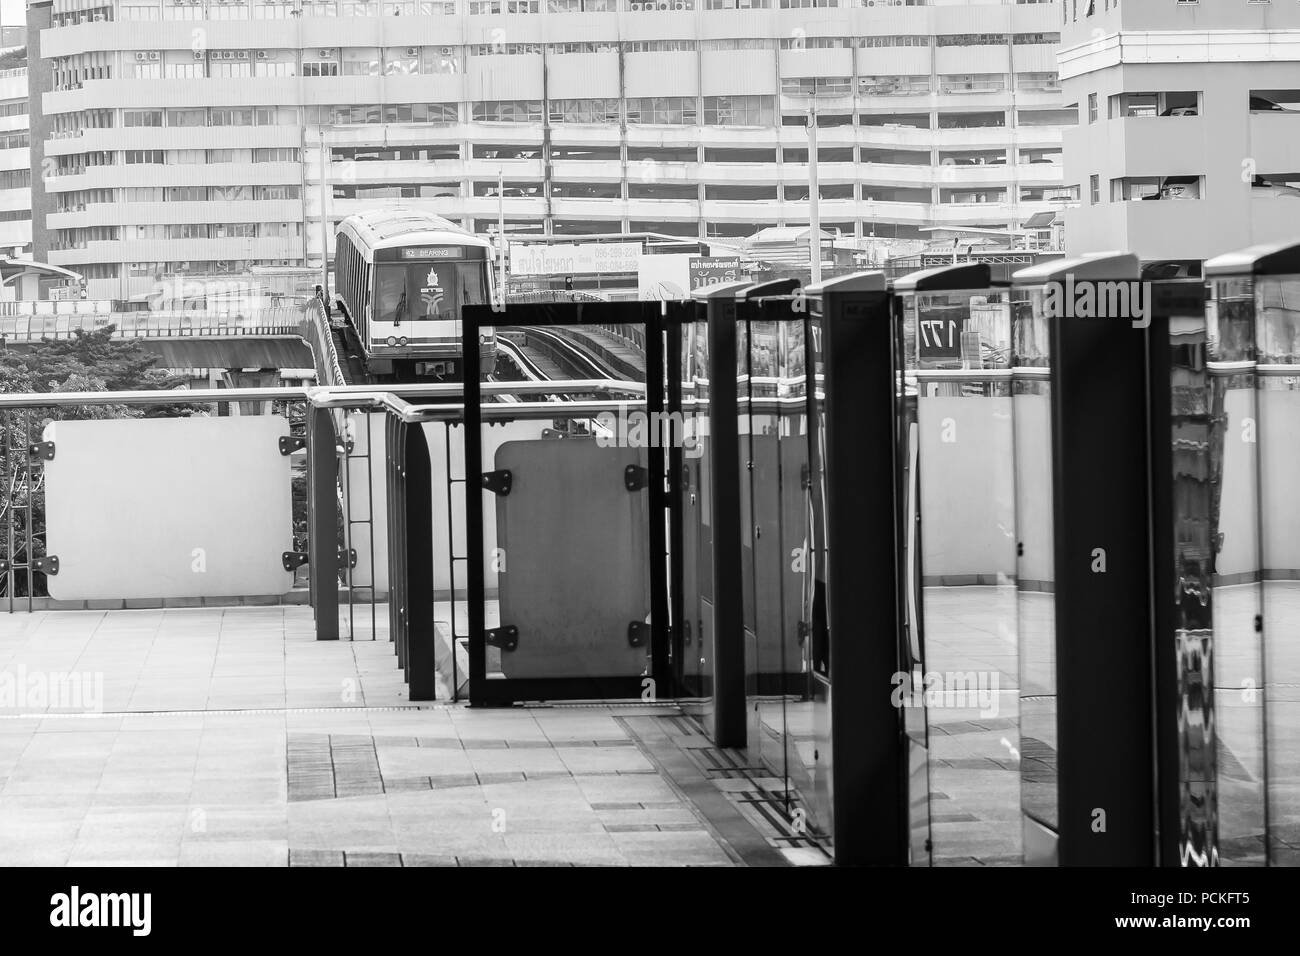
(501,232)
(814,196)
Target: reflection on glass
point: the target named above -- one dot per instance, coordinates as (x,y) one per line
(566,547)
(1035,577)
(960,491)
(1233,657)
(1194,483)
(1277,329)
(697,537)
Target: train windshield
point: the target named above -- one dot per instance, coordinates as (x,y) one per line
(423,291)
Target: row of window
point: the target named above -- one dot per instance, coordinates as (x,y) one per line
(80,238)
(278,9)
(78,163)
(72,71)
(80,199)
(691,154)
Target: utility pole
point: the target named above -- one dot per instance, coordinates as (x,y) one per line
(501,234)
(324,219)
(814,196)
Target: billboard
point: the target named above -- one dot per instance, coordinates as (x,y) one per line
(676,276)
(561,259)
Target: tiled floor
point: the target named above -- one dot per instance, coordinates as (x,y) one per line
(231,737)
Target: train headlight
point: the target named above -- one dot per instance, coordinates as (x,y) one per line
(392,341)
(402,341)
(484,339)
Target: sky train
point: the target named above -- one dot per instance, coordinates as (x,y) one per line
(401,277)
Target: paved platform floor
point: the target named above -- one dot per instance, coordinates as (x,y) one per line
(231,737)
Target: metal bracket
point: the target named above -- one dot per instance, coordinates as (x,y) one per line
(348,557)
(638,632)
(635,478)
(49,564)
(292,443)
(293,560)
(499,482)
(506,638)
(43,449)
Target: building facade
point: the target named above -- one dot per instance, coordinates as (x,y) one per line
(15,164)
(1188,140)
(217,135)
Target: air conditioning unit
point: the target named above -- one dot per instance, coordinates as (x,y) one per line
(198,56)
(448,50)
(261,54)
(325,54)
(141,57)
(681,5)
(153,55)
(99,18)
(412,51)
(241,55)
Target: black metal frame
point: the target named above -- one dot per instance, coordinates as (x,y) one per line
(411,617)
(1101,443)
(506,691)
(864,567)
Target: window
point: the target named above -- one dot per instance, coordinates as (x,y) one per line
(1125,105)
(141,156)
(663,111)
(893,85)
(187,117)
(231,117)
(187,193)
(916,39)
(1048,39)
(507,111)
(1092,107)
(971,39)
(815,43)
(277,192)
(738,111)
(1133,188)
(817,86)
(584,111)
(320,68)
(142,117)
(1094,189)
(284,154)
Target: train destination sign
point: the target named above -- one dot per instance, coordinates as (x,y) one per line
(433,252)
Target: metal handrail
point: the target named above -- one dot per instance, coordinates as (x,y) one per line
(336,396)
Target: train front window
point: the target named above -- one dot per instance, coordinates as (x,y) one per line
(423,291)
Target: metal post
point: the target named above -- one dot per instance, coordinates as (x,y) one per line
(324,219)
(322,522)
(417,539)
(814,197)
(501,234)
(728,610)
(864,568)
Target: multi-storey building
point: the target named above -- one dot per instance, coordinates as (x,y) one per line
(15,163)
(1188,141)
(188,135)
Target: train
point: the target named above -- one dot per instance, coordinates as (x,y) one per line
(401,277)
